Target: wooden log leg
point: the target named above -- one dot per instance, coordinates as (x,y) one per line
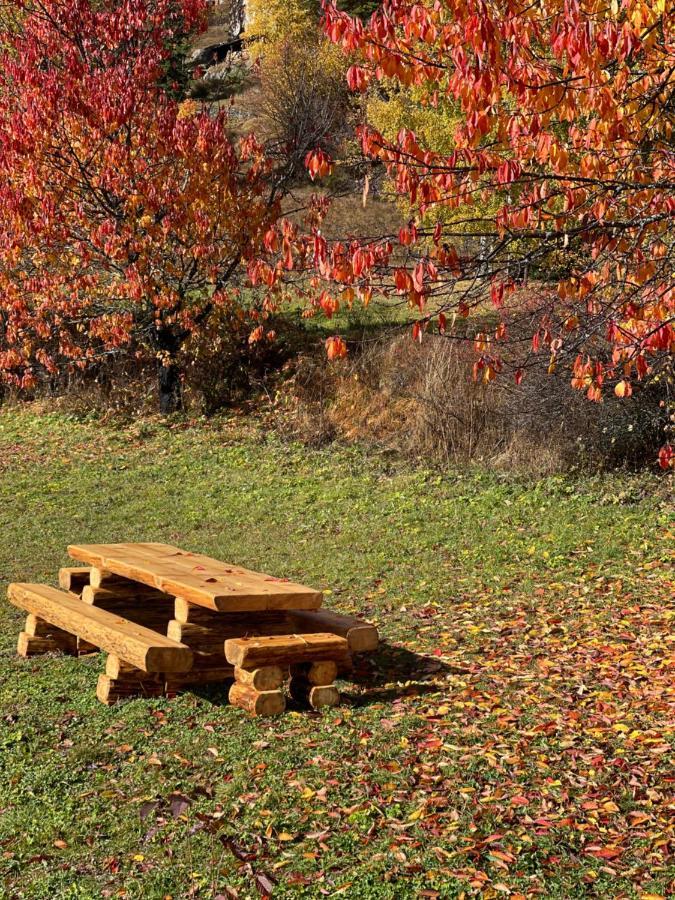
(110,690)
(122,680)
(73,579)
(36,627)
(267,678)
(317,696)
(318,674)
(258,703)
(28,645)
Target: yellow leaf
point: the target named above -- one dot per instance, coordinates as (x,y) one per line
(416,815)
(285,836)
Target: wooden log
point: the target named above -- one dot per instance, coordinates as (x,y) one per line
(268,678)
(200,579)
(68,643)
(258,703)
(191,613)
(317,696)
(139,646)
(177,683)
(111,690)
(199,637)
(73,578)
(316,673)
(28,645)
(103,578)
(146,611)
(129,597)
(250,653)
(120,670)
(360,635)
(36,627)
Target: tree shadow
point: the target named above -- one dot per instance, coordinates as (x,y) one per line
(385,675)
(393,672)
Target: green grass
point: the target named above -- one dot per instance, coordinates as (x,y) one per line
(513,736)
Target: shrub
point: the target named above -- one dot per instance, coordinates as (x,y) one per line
(304,99)
(420,400)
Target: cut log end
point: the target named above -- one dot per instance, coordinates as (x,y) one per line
(267,678)
(28,645)
(101,578)
(317,696)
(73,579)
(252,653)
(318,674)
(111,690)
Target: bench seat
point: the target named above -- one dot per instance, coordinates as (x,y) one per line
(284,650)
(147,650)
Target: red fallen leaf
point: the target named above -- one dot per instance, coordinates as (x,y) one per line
(264,884)
(603,852)
(491,838)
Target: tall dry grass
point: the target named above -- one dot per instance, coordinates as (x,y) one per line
(420,401)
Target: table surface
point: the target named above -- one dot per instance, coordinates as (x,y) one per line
(197,578)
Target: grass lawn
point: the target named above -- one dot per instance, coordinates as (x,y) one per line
(513,737)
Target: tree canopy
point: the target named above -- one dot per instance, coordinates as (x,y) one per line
(124,213)
(566,116)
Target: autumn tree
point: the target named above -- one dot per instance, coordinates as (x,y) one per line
(562,155)
(127,218)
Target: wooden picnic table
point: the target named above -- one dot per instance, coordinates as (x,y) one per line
(197,578)
(170,619)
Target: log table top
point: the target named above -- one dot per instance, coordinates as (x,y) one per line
(197,578)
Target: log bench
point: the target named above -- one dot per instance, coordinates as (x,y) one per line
(146,650)
(260,663)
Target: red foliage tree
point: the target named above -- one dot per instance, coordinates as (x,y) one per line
(567,109)
(124,214)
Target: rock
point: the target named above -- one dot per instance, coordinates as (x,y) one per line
(205,57)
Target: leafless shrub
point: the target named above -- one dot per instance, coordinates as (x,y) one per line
(303,100)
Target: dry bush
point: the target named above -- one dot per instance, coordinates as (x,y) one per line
(121,387)
(303,99)
(420,401)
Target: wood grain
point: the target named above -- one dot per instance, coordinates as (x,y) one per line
(197,578)
(143,648)
(258,703)
(249,653)
(361,636)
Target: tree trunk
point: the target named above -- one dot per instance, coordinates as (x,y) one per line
(170,393)
(168,342)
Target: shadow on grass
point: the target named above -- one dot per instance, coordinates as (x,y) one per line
(393,672)
(386,675)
